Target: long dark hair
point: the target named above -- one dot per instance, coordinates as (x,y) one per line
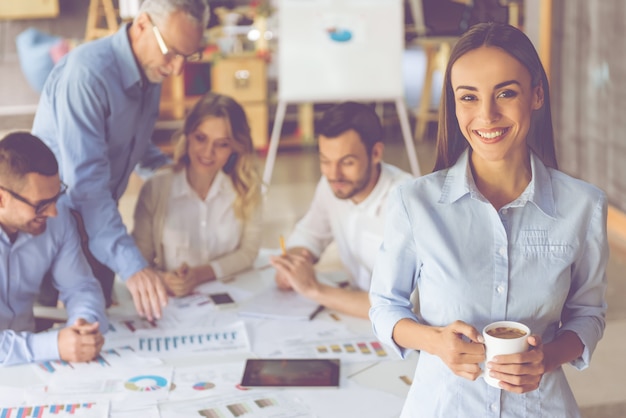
(540,139)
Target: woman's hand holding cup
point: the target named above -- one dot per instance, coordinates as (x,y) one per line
(514,357)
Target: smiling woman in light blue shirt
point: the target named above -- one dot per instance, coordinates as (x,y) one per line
(495,233)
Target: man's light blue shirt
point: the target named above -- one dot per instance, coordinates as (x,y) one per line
(97,115)
(539,260)
(23,265)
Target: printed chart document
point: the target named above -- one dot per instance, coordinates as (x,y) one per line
(111,357)
(274,303)
(59,410)
(254,403)
(229,338)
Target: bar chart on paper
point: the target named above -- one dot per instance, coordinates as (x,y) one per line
(121,327)
(350,350)
(120,356)
(229,338)
(90,409)
(262,405)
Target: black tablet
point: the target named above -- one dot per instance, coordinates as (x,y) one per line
(291,373)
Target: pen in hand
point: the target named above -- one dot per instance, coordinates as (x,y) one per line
(282,245)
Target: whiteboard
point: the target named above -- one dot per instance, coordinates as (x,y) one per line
(335,50)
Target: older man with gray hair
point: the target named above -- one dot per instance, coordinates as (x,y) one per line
(97,113)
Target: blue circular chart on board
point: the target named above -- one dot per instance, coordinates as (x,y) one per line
(340,35)
(147,383)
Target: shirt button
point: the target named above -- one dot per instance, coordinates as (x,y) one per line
(493,407)
(502,251)
(505,211)
(500,289)
(203,223)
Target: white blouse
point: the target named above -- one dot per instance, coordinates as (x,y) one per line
(197,231)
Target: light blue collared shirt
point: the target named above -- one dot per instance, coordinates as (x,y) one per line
(97,115)
(539,260)
(23,265)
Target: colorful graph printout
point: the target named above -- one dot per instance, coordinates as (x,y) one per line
(171,341)
(258,404)
(148,383)
(122,387)
(203,386)
(364,348)
(89,409)
(214,379)
(128,326)
(108,358)
(352,350)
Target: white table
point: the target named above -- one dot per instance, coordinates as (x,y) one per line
(360,381)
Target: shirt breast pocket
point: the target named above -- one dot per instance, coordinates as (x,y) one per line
(537,244)
(557,251)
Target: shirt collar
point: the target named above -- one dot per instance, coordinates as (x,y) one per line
(539,190)
(181,187)
(460,182)
(128,65)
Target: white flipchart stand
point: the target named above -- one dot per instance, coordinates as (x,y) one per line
(338,50)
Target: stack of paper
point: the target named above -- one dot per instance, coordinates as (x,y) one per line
(280,304)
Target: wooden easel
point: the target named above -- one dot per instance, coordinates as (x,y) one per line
(100,10)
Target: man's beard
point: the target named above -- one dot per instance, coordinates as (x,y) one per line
(358,185)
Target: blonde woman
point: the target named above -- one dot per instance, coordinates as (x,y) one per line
(200,219)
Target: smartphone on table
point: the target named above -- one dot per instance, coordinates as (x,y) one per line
(222,300)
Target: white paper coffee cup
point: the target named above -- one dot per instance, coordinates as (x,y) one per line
(505,341)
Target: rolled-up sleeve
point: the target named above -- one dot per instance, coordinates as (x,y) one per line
(395,273)
(28,347)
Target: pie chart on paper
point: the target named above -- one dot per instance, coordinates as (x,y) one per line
(203,386)
(147,383)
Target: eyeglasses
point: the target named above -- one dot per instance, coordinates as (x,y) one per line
(41,206)
(170,55)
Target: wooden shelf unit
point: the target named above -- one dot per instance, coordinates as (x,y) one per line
(242,77)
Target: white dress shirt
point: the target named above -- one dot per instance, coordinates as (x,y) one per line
(197,231)
(357,228)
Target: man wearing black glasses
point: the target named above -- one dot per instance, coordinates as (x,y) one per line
(38,235)
(97,113)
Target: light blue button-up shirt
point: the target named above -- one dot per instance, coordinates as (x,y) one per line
(97,114)
(539,260)
(23,265)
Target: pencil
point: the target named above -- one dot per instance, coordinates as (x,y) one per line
(282,245)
